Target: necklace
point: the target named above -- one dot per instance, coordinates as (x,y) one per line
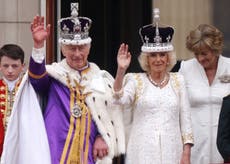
(159,84)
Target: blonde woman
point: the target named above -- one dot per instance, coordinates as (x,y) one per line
(161,129)
(206,77)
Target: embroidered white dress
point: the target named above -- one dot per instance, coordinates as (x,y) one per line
(161,120)
(205,103)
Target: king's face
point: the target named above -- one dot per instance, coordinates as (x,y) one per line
(76,55)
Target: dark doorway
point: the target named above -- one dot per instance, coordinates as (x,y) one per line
(114,22)
(221,14)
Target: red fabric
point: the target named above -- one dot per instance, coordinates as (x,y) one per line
(1,134)
(2,108)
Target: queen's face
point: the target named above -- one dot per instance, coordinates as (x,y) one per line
(158,62)
(206,58)
(76,55)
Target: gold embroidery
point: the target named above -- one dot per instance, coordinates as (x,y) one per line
(175,81)
(139,86)
(6,100)
(2,88)
(85,71)
(2,104)
(2,96)
(187,138)
(37,76)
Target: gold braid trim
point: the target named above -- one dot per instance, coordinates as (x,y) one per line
(7,101)
(82,126)
(82,137)
(36,76)
(6,109)
(87,139)
(77,154)
(68,138)
(74,154)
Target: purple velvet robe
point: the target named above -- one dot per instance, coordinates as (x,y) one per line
(57,113)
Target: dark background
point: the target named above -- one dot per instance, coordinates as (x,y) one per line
(114,22)
(118,21)
(221,15)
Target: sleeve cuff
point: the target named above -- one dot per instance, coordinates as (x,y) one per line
(38,55)
(188,138)
(118,94)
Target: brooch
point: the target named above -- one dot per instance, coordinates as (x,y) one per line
(224,78)
(76,111)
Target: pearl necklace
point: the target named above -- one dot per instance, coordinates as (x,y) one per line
(161,83)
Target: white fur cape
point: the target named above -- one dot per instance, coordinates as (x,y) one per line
(26,140)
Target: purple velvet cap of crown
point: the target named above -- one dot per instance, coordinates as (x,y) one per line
(74,30)
(156,40)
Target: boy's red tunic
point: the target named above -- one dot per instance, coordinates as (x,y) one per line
(6,104)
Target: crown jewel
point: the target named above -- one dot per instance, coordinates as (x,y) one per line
(74,30)
(155,38)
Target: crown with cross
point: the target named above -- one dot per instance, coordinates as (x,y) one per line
(155,38)
(74,30)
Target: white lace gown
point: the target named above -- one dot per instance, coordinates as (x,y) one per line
(205,103)
(161,120)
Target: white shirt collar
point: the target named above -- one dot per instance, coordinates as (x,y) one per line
(10,84)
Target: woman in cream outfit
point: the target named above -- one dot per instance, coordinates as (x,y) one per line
(207,80)
(161,130)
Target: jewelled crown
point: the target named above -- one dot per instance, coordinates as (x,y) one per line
(155,38)
(74,30)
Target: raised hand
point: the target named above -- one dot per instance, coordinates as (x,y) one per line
(123,62)
(39,32)
(123,57)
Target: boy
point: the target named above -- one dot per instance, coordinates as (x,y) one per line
(11,68)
